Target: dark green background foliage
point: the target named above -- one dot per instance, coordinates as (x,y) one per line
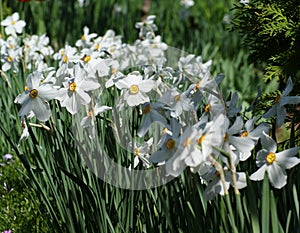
(271,30)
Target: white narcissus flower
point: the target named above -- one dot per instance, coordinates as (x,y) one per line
(176,102)
(152,115)
(13,25)
(10,60)
(232,143)
(89,120)
(86,38)
(274,163)
(35,97)
(278,108)
(215,186)
(135,88)
(187,3)
(74,93)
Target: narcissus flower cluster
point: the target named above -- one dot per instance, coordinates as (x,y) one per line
(199,129)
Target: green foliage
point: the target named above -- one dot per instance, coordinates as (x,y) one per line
(20,208)
(271,30)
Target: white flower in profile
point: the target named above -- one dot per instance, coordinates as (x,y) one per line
(35,97)
(13,25)
(142,153)
(169,143)
(10,60)
(152,114)
(214,187)
(187,153)
(233,142)
(274,163)
(74,93)
(177,102)
(135,88)
(245,2)
(86,39)
(187,3)
(278,108)
(254,133)
(89,120)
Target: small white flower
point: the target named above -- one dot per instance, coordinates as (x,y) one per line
(215,186)
(13,25)
(274,163)
(152,115)
(85,41)
(89,120)
(187,3)
(35,97)
(135,88)
(278,108)
(74,93)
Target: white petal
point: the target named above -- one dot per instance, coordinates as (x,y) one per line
(241,180)
(288,88)
(213,189)
(89,84)
(259,174)
(277,176)
(281,114)
(41,109)
(20,99)
(287,158)
(268,143)
(271,112)
(84,97)
(146,85)
(26,107)
(289,100)
(160,156)
(47,92)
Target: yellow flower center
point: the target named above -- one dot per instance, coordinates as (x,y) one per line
(187,142)
(13,22)
(270,158)
(11,46)
(136,151)
(86,58)
(207,108)
(113,71)
(65,59)
(97,46)
(83,37)
(134,89)
(26,88)
(201,139)
(177,98)
(165,130)
(33,93)
(277,99)
(72,86)
(217,174)
(198,85)
(62,52)
(244,134)
(147,108)
(90,113)
(226,137)
(9,59)
(112,49)
(170,144)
